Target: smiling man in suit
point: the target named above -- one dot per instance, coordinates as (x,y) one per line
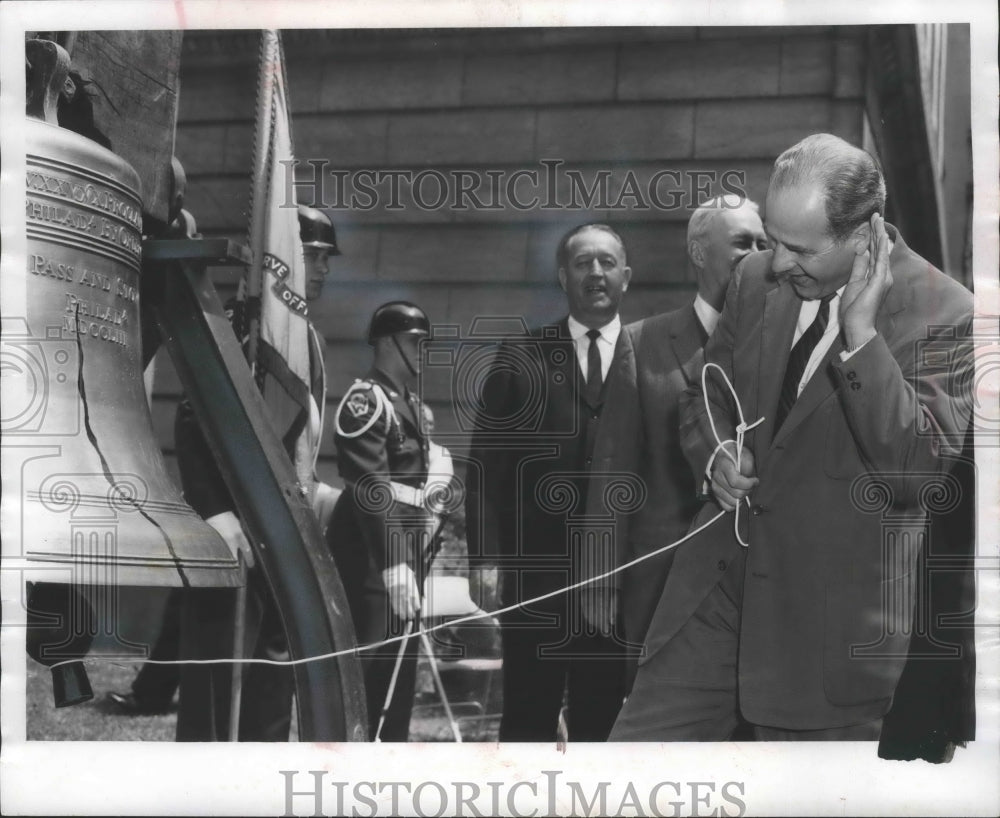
(539,410)
(805,631)
(639,429)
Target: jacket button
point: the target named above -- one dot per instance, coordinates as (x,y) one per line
(855,385)
(757,510)
(722,565)
(588,461)
(852,375)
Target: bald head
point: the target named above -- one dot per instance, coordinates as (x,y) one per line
(850,180)
(720,233)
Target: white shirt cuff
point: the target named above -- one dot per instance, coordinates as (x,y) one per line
(398,574)
(845,355)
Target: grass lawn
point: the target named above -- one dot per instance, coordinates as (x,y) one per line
(141,612)
(99,720)
(96,720)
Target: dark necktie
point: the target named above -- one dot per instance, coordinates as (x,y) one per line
(797,360)
(594,378)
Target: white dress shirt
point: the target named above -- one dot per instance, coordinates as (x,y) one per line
(807,314)
(707,314)
(605,344)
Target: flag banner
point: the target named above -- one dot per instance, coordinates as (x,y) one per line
(280,343)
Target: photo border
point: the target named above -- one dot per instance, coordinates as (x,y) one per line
(235,779)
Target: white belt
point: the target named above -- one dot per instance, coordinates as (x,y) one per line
(407,494)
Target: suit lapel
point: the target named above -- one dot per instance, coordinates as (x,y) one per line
(622,369)
(685,343)
(822,384)
(777,330)
(817,389)
(571,383)
(621,364)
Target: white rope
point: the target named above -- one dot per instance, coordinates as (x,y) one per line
(741,430)
(450,623)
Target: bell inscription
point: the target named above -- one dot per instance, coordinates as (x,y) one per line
(83,425)
(97,271)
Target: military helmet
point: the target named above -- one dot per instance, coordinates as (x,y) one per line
(316,229)
(398,317)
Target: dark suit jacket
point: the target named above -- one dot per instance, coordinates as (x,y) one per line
(934,706)
(834,534)
(639,435)
(529,460)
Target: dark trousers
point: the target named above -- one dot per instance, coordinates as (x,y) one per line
(373,621)
(207,631)
(541,661)
(378,666)
(688,690)
(207,625)
(155,685)
(268,691)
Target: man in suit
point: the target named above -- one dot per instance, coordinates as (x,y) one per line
(526,490)
(639,430)
(382,527)
(804,632)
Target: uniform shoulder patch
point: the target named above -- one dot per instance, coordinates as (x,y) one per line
(359,409)
(360,404)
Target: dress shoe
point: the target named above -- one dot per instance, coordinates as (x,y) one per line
(130,705)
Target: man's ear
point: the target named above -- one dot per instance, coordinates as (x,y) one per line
(861,237)
(562,278)
(696,253)
(627,273)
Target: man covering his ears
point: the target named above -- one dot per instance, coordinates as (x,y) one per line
(856,353)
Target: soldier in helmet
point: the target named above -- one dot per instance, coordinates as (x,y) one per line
(379,531)
(319,242)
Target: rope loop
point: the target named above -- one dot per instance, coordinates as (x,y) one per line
(741,429)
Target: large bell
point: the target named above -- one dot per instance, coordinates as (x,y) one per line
(87,497)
